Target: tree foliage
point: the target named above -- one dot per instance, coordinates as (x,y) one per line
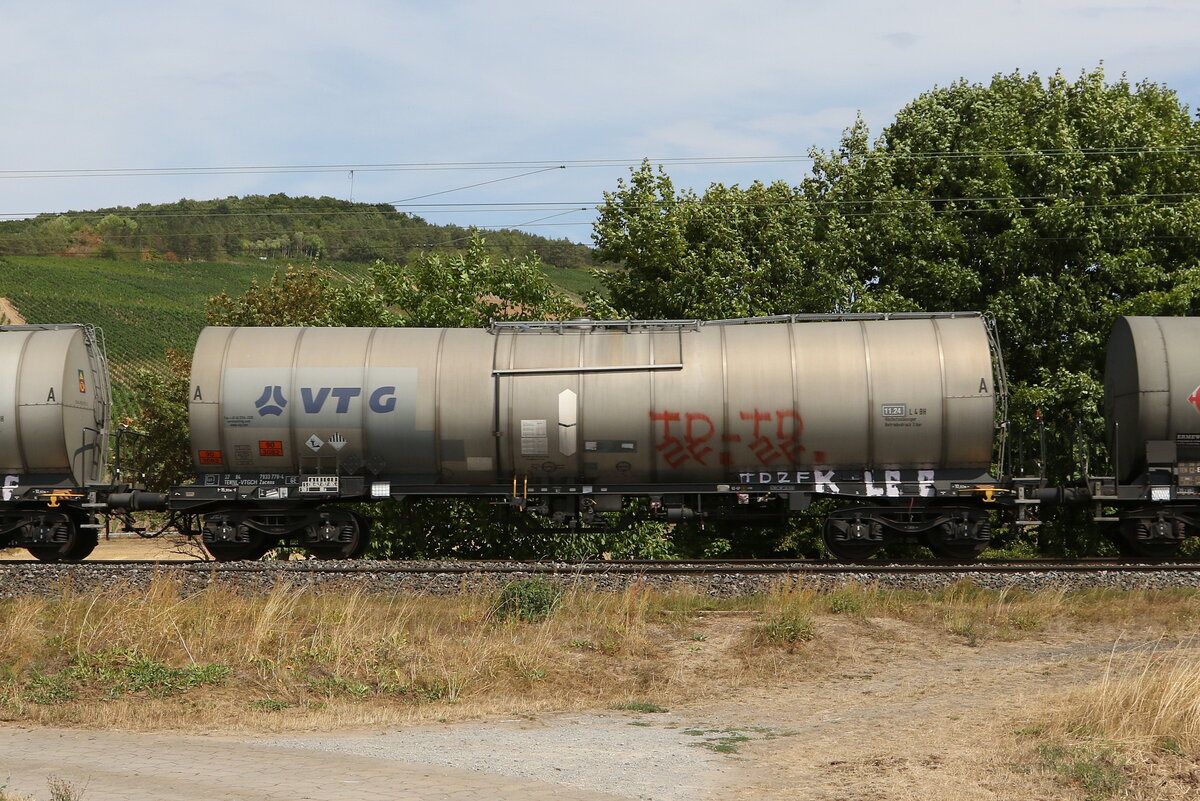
(1055,206)
(265,226)
(730,252)
(468,288)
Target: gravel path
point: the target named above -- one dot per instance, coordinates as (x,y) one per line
(652,757)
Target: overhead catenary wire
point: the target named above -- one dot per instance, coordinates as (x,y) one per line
(127,172)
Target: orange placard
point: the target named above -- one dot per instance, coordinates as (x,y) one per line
(270,448)
(211,457)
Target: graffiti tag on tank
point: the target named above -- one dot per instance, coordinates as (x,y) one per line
(774,438)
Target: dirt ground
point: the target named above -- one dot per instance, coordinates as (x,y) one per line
(121,547)
(889,713)
(904,715)
(9,314)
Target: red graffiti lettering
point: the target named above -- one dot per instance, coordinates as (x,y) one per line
(698,429)
(769,444)
(789,441)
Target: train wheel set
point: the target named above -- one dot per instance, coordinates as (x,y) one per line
(899,417)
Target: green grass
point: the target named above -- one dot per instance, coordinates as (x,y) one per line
(143,308)
(576,283)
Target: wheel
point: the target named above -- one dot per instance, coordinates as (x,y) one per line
(1133,539)
(352,530)
(959,541)
(67,541)
(248,544)
(849,541)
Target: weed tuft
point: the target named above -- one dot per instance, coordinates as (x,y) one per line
(640,706)
(528,600)
(788,628)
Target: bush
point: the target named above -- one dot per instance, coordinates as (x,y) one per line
(527,600)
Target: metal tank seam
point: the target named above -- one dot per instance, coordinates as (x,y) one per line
(366,417)
(437,403)
(654,452)
(798,432)
(1162,337)
(580,406)
(220,404)
(293,394)
(724,394)
(17,403)
(870,460)
(944,447)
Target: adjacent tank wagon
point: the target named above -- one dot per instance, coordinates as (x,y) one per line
(54,406)
(1152,418)
(737,419)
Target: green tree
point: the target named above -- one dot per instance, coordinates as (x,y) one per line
(462,289)
(154,445)
(1054,205)
(730,252)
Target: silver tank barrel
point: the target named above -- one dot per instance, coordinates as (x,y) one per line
(54,405)
(1151,387)
(659,402)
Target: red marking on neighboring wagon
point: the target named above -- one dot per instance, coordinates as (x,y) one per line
(211,457)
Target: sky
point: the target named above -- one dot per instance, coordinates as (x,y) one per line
(504,114)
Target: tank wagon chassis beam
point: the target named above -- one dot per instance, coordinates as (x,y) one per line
(245,516)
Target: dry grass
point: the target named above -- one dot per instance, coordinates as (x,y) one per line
(1135,733)
(157,659)
(298,659)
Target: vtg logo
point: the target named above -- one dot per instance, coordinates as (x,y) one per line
(313,399)
(264,403)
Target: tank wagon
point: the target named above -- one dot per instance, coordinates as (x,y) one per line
(735,419)
(1152,421)
(54,437)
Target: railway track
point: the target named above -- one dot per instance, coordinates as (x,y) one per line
(696,567)
(714,578)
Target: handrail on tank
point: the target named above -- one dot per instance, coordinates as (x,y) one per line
(562,326)
(1001,386)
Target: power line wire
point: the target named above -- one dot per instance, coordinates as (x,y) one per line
(127,172)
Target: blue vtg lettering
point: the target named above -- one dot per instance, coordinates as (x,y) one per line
(381,401)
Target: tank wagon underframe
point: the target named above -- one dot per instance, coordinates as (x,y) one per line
(951,514)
